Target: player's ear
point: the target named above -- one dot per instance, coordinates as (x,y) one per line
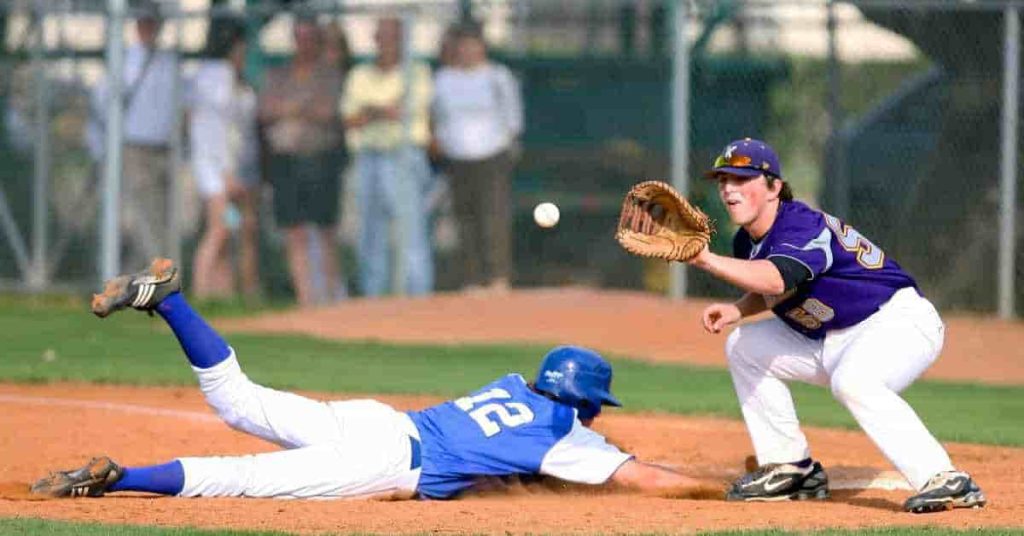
(774,187)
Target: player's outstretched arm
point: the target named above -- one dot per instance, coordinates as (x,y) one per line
(664,482)
(757,276)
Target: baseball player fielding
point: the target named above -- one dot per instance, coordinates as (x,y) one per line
(847,317)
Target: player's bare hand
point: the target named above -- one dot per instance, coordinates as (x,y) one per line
(700,259)
(719,316)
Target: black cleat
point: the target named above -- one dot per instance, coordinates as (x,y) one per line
(143,291)
(781,482)
(946,491)
(93,480)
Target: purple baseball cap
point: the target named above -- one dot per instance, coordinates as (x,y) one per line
(747,158)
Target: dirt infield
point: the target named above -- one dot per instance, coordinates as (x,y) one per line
(628,323)
(56,426)
(59,426)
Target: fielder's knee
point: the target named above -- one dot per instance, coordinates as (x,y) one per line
(850,388)
(228,391)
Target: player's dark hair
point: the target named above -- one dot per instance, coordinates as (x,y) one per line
(786,194)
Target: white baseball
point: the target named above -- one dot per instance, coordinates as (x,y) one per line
(546,215)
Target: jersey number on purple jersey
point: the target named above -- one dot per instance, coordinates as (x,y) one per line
(869,255)
(511,414)
(811,314)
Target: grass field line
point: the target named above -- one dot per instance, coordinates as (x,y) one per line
(193,416)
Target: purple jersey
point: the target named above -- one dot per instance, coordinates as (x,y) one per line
(850,276)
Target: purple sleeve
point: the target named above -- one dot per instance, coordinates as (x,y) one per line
(804,238)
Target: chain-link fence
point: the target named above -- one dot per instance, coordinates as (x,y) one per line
(925,168)
(889,115)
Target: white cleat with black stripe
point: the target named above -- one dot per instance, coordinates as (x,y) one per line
(142,291)
(781,482)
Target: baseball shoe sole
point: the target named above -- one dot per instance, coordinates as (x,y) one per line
(93,480)
(143,291)
(781,482)
(946,491)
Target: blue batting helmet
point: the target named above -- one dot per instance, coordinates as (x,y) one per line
(577,377)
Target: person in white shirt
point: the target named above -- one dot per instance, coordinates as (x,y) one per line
(150,79)
(478,118)
(225,154)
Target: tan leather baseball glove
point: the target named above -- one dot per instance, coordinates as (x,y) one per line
(657,222)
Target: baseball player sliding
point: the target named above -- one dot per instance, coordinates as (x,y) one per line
(364,448)
(846,316)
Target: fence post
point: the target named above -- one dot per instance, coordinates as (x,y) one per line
(110,234)
(175,197)
(837,179)
(407,191)
(680,128)
(37,275)
(1008,168)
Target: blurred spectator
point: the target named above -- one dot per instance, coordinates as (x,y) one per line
(225,163)
(446,57)
(446,54)
(148,89)
(337,52)
(478,118)
(298,107)
(386,110)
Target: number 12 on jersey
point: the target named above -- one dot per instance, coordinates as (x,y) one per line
(482,410)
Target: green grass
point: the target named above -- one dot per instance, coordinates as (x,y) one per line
(55,341)
(61,528)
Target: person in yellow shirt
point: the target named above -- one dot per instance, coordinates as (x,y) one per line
(385,107)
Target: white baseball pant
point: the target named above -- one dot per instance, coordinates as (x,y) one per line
(866,366)
(344,449)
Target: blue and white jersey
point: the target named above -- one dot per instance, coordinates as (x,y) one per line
(506,429)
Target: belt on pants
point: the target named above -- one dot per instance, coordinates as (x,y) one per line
(416,459)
